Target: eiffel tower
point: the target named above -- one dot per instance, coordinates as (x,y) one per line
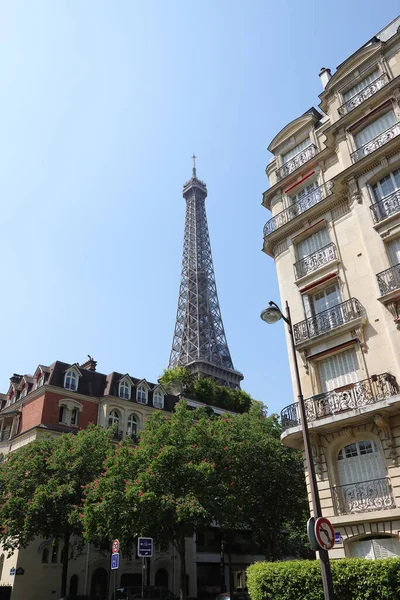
(199,341)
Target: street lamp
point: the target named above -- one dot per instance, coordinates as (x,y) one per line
(272,315)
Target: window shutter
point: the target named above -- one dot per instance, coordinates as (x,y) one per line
(386,548)
(375,128)
(286,157)
(363,549)
(361,85)
(338,370)
(313,243)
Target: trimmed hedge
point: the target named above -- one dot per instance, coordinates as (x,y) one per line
(353,579)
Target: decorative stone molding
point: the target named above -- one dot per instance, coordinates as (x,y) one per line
(394,309)
(316,452)
(359,333)
(384,162)
(303,354)
(346,433)
(354,193)
(381,422)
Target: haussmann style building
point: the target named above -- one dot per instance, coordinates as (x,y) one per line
(334,234)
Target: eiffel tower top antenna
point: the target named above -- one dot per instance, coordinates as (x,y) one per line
(199,341)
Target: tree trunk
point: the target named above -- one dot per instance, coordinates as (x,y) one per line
(181,546)
(231,582)
(64,573)
(222,563)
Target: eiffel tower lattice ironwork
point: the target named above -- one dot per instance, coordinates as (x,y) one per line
(199,341)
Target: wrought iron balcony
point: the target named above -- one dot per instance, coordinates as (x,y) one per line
(329,319)
(298,208)
(378,141)
(364,496)
(355,395)
(363,94)
(117,435)
(386,207)
(313,261)
(389,280)
(297,161)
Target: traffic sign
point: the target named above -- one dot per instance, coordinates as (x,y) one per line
(324,533)
(115,560)
(145,547)
(311,533)
(115,547)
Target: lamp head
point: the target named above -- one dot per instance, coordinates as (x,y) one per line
(271,315)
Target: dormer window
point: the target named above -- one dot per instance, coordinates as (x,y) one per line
(298,148)
(24,392)
(40,381)
(158,399)
(71,381)
(124,390)
(141,394)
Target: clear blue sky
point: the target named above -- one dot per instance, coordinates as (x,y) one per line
(103,103)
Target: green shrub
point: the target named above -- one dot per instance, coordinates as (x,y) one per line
(353,579)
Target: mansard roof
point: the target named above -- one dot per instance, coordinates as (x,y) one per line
(310,117)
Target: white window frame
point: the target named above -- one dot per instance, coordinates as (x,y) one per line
(39,381)
(70,376)
(124,386)
(349,377)
(376,188)
(158,394)
(141,394)
(287,156)
(132,419)
(351,91)
(69,406)
(314,241)
(373,135)
(114,418)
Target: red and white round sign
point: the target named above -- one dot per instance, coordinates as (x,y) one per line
(324,533)
(115,547)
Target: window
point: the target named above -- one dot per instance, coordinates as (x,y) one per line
(360,461)
(158,399)
(305,192)
(322,300)
(373,548)
(393,248)
(286,157)
(141,394)
(24,392)
(113,418)
(54,554)
(361,85)
(125,390)
(374,129)
(74,416)
(71,381)
(338,370)
(45,556)
(312,244)
(40,381)
(132,426)
(62,415)
(387,185)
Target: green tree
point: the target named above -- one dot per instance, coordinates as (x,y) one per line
(42,489)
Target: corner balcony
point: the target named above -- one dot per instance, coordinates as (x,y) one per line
(298,208)
(389,280)
(297,161)
(378,141)
(337,317)
(363,94)
(345,399)
(315,261)
(386,207)
(364,496)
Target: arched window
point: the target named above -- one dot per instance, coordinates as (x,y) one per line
(73,586)
(71,381)
(132,426)
(158,399)
(363,485)
(372,547)
(113,418)
(45,556)
(141,394)
(40,381)
(24,391)
(125,390)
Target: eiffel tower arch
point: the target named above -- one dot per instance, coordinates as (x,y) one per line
(199,341)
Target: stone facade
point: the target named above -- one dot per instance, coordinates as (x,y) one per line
(334,234)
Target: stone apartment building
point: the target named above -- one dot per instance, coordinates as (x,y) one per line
(334,234)
(67,397)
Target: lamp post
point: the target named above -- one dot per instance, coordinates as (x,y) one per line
(271,315)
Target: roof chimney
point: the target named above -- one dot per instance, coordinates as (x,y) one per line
(90,364)
(325,75)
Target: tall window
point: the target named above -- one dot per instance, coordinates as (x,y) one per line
(374,129)
(361,85)
(54,554)
(132,426)
(141,394)
(62,415)
(312,244)
(360,461)
(322,300)
(113,418)
(338,370)
(71,381)
(74,416)
(387,185)
(394,251)
(125,390)
(40,381)
(306,192)
(45,555)
(286,157)
(158,399)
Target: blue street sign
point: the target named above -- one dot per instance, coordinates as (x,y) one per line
(338,537)
(115,560)
(145,547)
(12,571)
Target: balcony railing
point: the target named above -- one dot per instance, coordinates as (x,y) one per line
(313,261)
(378,141)
(363,94)
(298,159)
(117,435)
(355,395)
(386,207)
(365,496)
(298,208)
(329,319)
(389,280)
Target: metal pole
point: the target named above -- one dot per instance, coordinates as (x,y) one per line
(323,554)
(143,568)
(86,568)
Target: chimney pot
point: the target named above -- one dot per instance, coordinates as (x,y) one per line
(325,75)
